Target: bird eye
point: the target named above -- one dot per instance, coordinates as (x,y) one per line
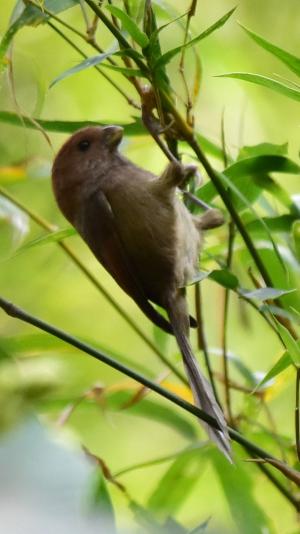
(84,145)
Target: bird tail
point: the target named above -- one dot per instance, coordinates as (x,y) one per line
(202,392)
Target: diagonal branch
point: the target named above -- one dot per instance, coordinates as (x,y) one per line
(12,310)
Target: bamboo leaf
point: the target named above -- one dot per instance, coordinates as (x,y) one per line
(281,365)
(263,149)
(280,312)
(280,224)
(270,83)
(177,483)
(265,293)
(156,32)
(222,276)
(252,167)
(290,343)
(225,278)
(210,147)
(239,491)
(52,237)
(134,128)
(231,178)
(86,64)
(291,61)
(166,58)
(128,71)
(262,164)
(129,25)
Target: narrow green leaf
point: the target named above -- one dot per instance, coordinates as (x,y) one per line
(281,365)
(263,149)
(291,61)
(280,312)
(128,71)
(155,33)
(134,128)
(231,174)
(270,83)
(265,293)
(225,278)
(280,194)
(262,164)
(129,25)
(176,484)
(280,224)
(201,275)
(166,58)
(222,276)
(210,147)
(290,343)
(52,237)
(86,64)
(252,167)
(131,129)
(239,491)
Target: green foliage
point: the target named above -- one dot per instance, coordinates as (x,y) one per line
(166,58)
(248,310)
(291,90)
(265,81)
(128,24)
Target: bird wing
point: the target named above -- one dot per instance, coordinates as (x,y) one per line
(99,230)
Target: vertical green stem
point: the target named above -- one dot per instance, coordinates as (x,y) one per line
(225,326)
(202,344)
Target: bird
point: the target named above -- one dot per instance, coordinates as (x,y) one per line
(142,233)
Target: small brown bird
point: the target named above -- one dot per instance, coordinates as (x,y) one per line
(142,234)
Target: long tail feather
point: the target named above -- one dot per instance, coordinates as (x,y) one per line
(202,391)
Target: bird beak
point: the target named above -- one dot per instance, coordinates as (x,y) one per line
(113,135)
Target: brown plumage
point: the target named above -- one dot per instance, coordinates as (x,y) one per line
(142,234)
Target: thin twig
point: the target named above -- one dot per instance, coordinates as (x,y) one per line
(98,69)
(16,312)
(230,248)
(225,323)
(160,460)
(50,228)
(251,447)
(189,104)
(202,345)
(55,17)
(283,490)
(238,387)
(119,36)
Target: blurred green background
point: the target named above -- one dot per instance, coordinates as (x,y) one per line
(45,282)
